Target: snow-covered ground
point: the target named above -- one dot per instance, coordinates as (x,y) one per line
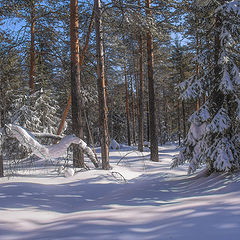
(137,199)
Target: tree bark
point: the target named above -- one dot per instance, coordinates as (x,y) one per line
(77,125)
(140,92)
(102,99)
(32,49)
(148,120)
(140,96)
(65,113)
(133,114)
(90,136)
(64,116)
(127,106)
(178,123)
(197,65)
(151,92)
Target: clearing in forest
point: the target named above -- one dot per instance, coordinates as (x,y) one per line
(136,199)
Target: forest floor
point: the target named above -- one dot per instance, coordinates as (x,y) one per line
(137,199)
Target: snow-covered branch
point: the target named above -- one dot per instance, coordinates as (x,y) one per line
(27,139)
(47,135)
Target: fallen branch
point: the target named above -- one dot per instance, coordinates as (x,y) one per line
(28,140)
(47,135)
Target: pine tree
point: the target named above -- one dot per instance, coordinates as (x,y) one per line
(151,91)
(213,138)
(77,125)
(101,82)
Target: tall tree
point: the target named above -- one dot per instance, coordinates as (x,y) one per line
(133,113)
(127,105)
(151,91)
(140,93)
(32,48)
(64,116)
(77,125)
(102,98)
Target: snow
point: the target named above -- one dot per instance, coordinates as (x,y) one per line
(136,199)
(114,144)
(52,151)
(220,122)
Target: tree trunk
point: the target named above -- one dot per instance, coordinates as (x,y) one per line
(32,49)
(140,96)
(217,97)
(103,110)
(78,158)
(151,93)
(184,119)
(148,121)
(64,116)
(140,92)
(133,113)
(90,136)
(65,113)
(127,106)
(178,123)
(197,65)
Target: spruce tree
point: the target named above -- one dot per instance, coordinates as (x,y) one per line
(213,138)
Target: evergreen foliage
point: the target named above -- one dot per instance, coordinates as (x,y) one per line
(213,138)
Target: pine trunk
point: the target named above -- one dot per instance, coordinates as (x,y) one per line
(65,113)
(133,114)
(32,50)
(148,121)
(64,116)
(102,99)
(178,123)
(140,96)
(217,97)
(151,93)
(127,106)
(77,125)
(197,65)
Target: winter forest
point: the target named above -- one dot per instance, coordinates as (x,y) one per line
(120,119)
